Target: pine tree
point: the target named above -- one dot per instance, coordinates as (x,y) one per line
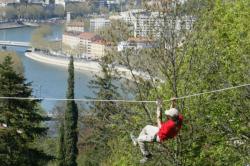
(103,113)
(105,87)
(71,118)
(22,118)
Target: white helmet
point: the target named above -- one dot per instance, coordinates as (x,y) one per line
(172,112)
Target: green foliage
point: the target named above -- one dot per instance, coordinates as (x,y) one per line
(214,55)
(39,40)
(17,64)
(70,121)
(116,32)
(59,11)
(78,9)
(101,124)
(220,58)
(31,12)
(22,118)
(61,151)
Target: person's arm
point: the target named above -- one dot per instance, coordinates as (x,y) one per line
(159,113)
(173,102)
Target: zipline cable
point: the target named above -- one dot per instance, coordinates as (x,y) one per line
(124,101)
(213,91)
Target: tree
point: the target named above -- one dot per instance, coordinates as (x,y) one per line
(59,11)
(17,63)
(224,60)
(70,121)
(78,9)
(116,32)
(214,55)
(11,12)
(23,120)
(39,40)
(103,121)
(61,151)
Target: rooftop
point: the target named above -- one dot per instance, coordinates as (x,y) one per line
(88,35)
(102,42)
(76,24)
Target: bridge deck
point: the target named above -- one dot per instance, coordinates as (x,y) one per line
(15,43)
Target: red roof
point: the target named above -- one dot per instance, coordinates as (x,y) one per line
(88,36)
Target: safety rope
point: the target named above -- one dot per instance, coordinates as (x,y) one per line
(125,101)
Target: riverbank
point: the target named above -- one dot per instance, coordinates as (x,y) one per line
(64,62)
(11,25)
(82,64)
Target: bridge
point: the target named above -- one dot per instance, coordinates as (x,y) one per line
(15,43)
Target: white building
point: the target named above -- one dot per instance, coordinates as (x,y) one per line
(4,3)
(97,49)
(60,2)
(75,27)
(76,0)
(98,23)
(68,17)
(147,23)
(35,1)
(71,39)
(86,43)
(86,38)
(144,23)
(136,43)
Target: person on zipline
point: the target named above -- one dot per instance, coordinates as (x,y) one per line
(164,130)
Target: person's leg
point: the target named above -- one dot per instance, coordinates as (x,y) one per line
(147,135)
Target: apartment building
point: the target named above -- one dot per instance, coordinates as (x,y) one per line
(151,24)
(97,49)
(98,23)
(86,38)
(71,39)
(86,42)
(144,23)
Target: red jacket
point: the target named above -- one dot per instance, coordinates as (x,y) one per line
(169,129)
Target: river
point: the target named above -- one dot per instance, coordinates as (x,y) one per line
(47,80)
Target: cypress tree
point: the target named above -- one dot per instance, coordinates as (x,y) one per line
(22,118)
(71,118)
(61,152)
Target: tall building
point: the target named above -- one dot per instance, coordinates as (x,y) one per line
(68,18)
(144,23)
(98,23)
(103,3)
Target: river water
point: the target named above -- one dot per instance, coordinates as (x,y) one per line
(48,80)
